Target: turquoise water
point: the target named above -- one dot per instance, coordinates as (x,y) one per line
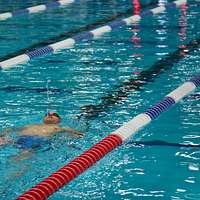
(92,87)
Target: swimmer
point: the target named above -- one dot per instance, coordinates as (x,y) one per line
(35,137)
(29,135)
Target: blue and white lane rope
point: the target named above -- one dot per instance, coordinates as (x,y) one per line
(141,120)
(35,9)
(69,43)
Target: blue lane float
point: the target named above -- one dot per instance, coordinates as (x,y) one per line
(40,52)
(70,42)
(160,107)
(35,9)
(140,121)
(196,80)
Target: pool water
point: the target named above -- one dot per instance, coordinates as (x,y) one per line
(93,86)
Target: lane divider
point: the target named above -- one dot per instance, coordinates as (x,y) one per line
(73,32)
(35,9)
(70,42)
(77,166)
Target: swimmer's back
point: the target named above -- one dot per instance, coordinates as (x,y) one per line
(39,130)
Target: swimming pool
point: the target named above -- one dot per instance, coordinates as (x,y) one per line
(92,87)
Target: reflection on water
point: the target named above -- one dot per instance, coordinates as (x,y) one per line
(136,29)
(183,23)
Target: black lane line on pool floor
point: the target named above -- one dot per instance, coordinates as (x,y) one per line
(123,90)
(15,88)
(71,33)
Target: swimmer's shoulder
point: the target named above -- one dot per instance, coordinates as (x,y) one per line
(37,129)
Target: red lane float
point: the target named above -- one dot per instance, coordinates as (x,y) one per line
(67,173)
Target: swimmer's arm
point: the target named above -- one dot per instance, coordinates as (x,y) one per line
(71,130)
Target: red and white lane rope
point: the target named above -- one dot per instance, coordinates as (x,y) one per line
(77,166)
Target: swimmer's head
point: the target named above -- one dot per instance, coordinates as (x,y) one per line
(52,118)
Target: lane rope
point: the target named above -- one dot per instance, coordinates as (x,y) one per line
(35,9)
(70,42)
(77,166)
(75,31)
